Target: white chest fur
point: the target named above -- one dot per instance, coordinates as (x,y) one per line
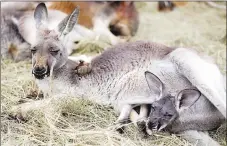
(63,88)
(57,87)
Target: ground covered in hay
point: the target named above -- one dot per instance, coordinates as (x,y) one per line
(79,122)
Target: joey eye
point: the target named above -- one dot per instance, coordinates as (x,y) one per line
(54,52)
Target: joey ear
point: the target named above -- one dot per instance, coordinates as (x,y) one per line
(186,98)
(154,83)
(40,15)
(67,24)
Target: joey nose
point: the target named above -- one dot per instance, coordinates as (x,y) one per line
(39,70)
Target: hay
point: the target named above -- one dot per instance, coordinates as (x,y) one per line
(79,122)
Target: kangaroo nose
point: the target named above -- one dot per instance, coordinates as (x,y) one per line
(39,70)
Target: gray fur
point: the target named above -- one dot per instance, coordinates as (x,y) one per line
(62,24)
(71,21)
(40,15)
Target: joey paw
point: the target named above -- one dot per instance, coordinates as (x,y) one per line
(83,68)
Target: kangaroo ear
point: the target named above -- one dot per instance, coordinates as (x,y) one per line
(40,15)
(67,24)
(154,83)
(186,98)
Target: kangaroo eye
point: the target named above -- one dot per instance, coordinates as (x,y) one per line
(54,52)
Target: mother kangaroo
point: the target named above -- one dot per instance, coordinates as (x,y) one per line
(117,75)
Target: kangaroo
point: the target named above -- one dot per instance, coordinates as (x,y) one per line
(117,75)
(189,110)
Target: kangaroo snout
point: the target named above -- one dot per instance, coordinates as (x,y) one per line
(40,72)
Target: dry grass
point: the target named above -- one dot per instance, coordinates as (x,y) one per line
(79,122)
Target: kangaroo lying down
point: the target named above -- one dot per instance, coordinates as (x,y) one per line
(116,77)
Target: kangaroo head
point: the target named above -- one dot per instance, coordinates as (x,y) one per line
(164,111)
(49,53)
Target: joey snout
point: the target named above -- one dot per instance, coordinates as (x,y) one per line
(154,124)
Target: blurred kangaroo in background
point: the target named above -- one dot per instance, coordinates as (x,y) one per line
(122,15)
(188,113)
(110,19)
(117,75)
